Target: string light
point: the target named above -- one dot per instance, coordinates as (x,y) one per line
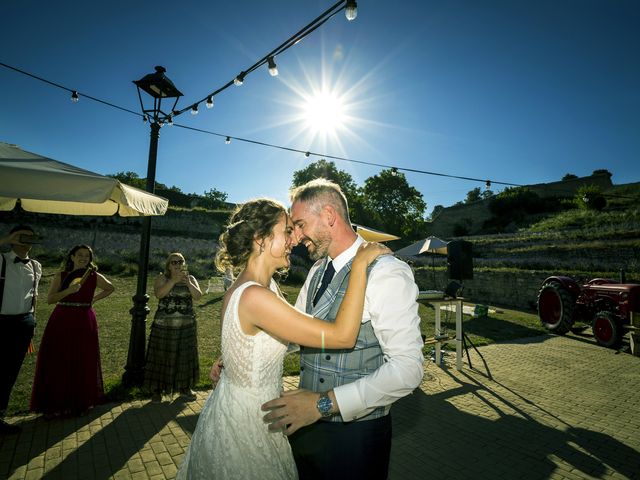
(145,118)
(273,68)
(74,97)
(394,171)
(351,10)
(227,140)
(239,80)
(194,109)
(170,121)
(297,37)
(488,184)
(306,154)
(210,101)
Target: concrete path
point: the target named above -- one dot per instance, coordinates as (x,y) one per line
(544,407)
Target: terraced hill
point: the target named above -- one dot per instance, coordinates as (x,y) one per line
(509,268)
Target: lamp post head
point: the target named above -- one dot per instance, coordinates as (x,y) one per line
(158,84)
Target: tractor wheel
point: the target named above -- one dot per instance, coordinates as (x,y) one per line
(555,308)
(607,329)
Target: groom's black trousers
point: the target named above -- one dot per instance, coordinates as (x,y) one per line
(328,450)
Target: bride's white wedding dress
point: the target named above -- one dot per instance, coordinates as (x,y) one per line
(231,440)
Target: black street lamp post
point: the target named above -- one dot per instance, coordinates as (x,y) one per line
(158,86)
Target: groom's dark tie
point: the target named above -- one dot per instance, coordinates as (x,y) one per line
(326,280)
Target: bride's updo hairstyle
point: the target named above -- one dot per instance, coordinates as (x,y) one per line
(251,220)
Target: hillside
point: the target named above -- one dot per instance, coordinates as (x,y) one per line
(509,268)
(477,217)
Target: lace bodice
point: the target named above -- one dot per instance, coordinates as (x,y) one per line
(250,361)
(177,302)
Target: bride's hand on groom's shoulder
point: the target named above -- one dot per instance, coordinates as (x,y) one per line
(293,410)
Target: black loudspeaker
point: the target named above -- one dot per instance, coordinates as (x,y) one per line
(454,289)
(460,259)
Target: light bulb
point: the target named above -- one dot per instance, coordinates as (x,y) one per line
(210,101)
(194,110)
(227,140)
(351,10)
(273,69)
(145,118)
(239,80)
(74,96)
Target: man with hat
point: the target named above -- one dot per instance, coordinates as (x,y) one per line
(19,278)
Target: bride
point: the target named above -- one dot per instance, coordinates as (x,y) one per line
(231,439)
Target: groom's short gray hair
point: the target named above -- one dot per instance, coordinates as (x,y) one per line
(320,192)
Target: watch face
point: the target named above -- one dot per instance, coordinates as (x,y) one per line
(324,405)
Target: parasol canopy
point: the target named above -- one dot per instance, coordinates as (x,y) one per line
(428,245)
(372,235)
(45,185)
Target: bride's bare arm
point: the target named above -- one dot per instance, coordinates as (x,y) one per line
(261,308)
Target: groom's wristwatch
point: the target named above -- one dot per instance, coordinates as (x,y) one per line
(324,405)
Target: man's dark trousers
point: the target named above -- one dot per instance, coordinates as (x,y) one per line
(16,331)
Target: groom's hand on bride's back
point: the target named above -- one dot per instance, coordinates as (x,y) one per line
(216,370)
(293,410)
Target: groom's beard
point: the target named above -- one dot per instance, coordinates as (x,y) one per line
(320,246)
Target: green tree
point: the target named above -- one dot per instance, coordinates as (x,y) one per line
(131,179)
(569,176)
(393,205)
(487,193)
(473,195)
(589,197)
(437,210)
(213,199)
(328,170)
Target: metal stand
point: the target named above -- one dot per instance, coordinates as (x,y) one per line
(439,339)
(466,339)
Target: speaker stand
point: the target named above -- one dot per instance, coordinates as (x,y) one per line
(465,340)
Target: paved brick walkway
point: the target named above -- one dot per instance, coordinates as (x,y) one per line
(550,407)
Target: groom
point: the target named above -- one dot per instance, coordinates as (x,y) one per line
(338,422)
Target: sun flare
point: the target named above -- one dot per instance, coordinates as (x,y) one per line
(324,112)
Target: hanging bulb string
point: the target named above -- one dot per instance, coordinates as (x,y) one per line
(70,90)
(302,33)
(307,153)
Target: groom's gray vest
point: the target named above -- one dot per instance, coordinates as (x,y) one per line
(322,370)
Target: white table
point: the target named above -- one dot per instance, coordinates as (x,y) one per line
(438,336)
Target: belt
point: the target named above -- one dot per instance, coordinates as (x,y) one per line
(73,304)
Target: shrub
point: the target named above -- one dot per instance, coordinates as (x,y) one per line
(589,197)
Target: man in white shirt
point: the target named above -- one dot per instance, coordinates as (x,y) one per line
(350,391)
(19,278)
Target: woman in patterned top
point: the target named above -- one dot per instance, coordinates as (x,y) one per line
(172,354)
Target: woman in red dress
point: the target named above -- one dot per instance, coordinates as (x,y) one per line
(68,378)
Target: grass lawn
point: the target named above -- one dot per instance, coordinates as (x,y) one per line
(114,322)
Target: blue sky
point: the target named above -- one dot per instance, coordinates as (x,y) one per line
(512,91)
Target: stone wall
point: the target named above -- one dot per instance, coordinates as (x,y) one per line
(195,223)
(511,289)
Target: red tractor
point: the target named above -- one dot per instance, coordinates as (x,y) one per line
(609,306)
